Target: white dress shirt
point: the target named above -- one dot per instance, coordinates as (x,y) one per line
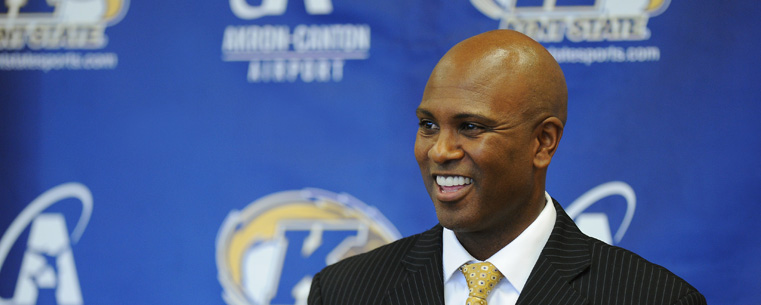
(514,261)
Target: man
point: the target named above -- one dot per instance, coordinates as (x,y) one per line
(491,118)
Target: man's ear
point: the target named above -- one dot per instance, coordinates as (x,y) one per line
(547,137)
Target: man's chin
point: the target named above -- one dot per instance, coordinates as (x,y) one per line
(453,223)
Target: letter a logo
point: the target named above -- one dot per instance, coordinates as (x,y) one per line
(48,262)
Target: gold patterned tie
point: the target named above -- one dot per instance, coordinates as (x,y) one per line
(481,278)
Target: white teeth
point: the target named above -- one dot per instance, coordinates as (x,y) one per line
(452,180)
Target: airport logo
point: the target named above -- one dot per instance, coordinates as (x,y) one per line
(48,261)
(281,53)
(597,225)
(268,252)
(57,25)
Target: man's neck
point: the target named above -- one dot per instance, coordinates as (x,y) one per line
(483,244)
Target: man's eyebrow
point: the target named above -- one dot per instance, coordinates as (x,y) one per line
(460,116)
(478,117)
(423,112)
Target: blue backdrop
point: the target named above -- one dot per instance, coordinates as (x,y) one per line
(136,136)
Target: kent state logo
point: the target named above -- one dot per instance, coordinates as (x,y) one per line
(268,252)
(72,24)
(48,261)
(583,20)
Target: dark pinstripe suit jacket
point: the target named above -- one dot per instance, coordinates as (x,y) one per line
(572,269)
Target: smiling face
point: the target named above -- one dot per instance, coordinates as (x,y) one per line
(482,141)
(475,158)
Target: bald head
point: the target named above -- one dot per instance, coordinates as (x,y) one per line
(515,68)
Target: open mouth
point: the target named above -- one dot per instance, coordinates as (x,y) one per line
(450,184)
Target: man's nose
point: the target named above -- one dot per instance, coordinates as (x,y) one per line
(446,148)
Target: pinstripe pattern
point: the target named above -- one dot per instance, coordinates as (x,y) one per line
(572,269)
(576,269)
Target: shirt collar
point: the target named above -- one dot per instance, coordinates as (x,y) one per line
(516,260)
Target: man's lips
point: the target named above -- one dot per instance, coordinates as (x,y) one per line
(451,187)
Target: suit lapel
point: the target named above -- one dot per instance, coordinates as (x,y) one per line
(424,282)
(564,258)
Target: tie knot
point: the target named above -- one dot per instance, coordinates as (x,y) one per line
(481,278)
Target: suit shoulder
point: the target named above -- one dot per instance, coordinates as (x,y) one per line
(604,255)
(634,277)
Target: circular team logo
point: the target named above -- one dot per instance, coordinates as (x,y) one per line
(268,252)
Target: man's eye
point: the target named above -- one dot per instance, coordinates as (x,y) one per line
(471,126)
(472,129)
(426,124)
